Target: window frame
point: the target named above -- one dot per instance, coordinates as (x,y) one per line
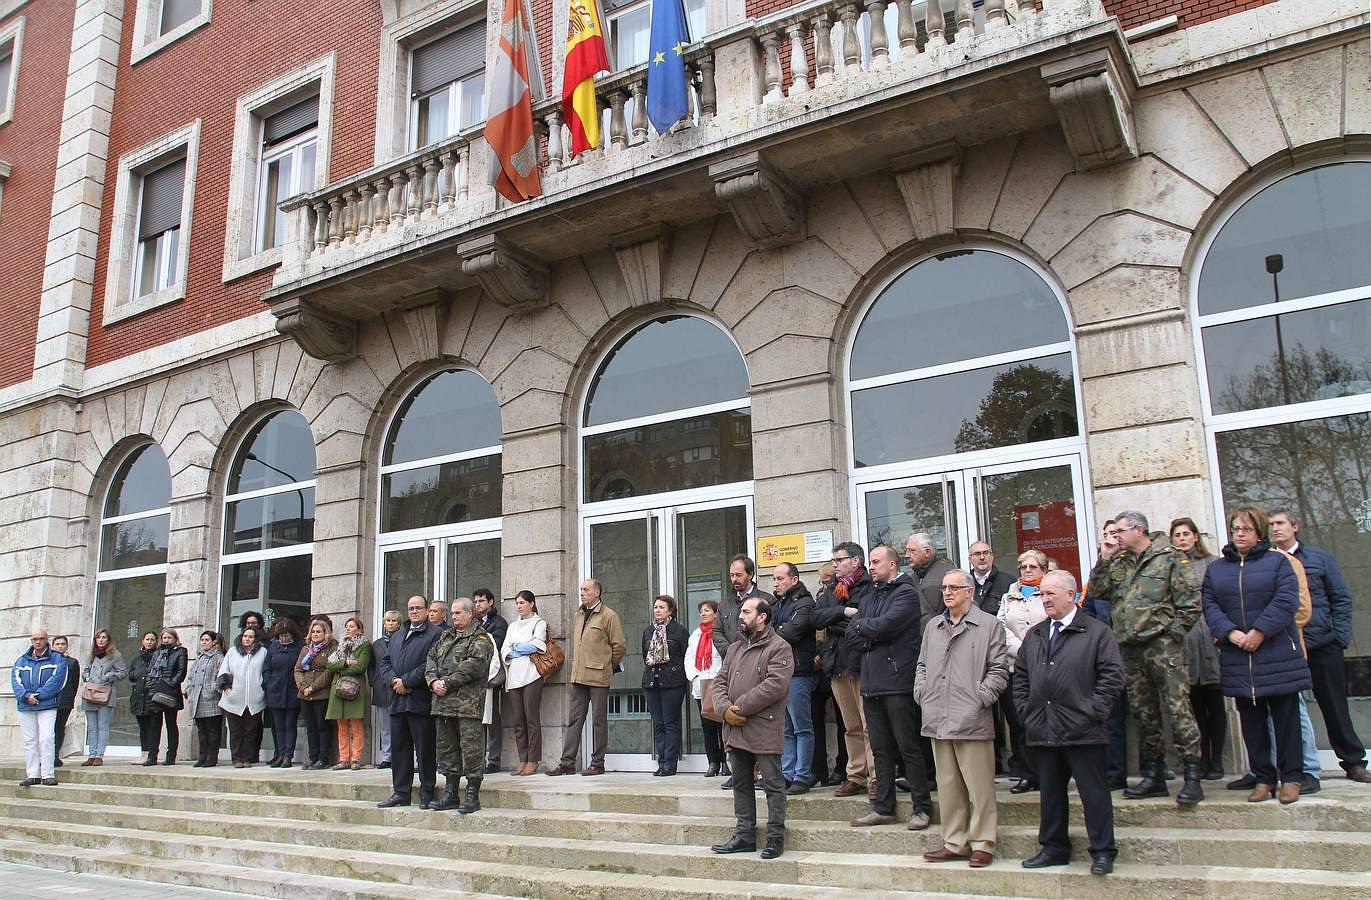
(125,250)
(612,16)
(147,28)
(455,91)
(115,574)
(241,254)
(13,34)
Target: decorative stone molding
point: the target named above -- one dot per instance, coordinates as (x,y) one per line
(643,256)
(928,181)
(323,336)
(510,276)
(765,205)
(1092,98)
(427,320)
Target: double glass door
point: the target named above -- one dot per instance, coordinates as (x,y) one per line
(441,568)
(682,551)
(1013,507)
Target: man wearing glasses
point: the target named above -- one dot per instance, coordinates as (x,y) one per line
(412,730)
(1153,603)
(37,679)
(851,587)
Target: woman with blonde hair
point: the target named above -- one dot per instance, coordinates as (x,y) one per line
(313,682)
(349,660)
(1021,609)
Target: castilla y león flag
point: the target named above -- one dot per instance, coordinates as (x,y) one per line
(516,80)
(585,55)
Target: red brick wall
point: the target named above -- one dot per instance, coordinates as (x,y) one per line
(202,75)
(1132,13)
(28,142)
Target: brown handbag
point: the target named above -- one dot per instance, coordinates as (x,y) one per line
(96,694)
(707,700)
(549,660)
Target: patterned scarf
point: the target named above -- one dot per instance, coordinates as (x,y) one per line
(704,651)
(843,586)
(347,648)
(310,653)
(657,650)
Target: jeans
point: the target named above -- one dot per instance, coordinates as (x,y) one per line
(97,729)
(799,730)
(382,725)
(665,706)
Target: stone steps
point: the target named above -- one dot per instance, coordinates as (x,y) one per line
(602,837)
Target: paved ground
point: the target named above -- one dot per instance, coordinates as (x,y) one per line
(28,882)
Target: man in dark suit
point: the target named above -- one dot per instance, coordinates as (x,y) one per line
(495,626)
(412,731)
(991,585)
(381,694)
(1067,676)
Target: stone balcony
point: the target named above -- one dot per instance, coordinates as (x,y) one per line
(817,93)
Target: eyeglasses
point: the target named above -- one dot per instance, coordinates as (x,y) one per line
(954,589)
(1243,529)
(838,559)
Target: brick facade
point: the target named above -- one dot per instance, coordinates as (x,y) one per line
(1133,13)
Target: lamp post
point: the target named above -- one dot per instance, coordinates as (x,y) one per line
(1275,264)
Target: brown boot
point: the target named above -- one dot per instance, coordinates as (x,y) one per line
(1263,792)
(1290,792)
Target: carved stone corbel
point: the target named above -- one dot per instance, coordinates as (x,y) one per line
(1092,99)
(425,321)
(512,277)
(928,181)
(321,335)
(767,208)
(642,256)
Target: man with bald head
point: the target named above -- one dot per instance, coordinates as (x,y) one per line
(37,679)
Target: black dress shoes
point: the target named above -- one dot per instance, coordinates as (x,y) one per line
(796,787)
(1309,785)
(1023,786)
(394,800)
(773,848)
(1102,865)
(1043,860)
(1245,783)
(736,844)
(712,771)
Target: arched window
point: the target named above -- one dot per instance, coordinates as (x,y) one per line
(131,577)
(440,497)
(269,522)
(1283,302)
(964,415)
(667,411)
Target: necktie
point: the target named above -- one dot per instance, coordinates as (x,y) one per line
(1052,639)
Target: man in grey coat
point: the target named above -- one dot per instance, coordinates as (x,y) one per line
(963,668)
(752,689)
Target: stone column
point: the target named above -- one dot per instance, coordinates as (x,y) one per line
(343,553)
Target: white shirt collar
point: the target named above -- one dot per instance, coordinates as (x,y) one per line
(1068,618)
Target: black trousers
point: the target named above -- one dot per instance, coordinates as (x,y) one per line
(209,734)
(1021,763)
(316,729)
(1329,669)
(59,730)
(1089,765)
(283,721)
(252,749)
(745,793)
(145,742)
(713,734)
(158,719)
(245,736)
(818,715)
(1206,701)
(411,735)
(1117,726)
(1284,711)
(893,731)
(664,705)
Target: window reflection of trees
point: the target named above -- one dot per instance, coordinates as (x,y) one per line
(701,451)
(1025,404)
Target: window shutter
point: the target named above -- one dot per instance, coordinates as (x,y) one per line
(178,12)
(290,122)
(451,58)
(161,209)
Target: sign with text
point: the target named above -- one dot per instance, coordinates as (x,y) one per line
(797,548)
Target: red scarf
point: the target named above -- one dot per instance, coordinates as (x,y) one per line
(704,651)
(842,589)
(1034,583)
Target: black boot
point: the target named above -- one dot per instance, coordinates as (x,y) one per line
(723,768)
(712,771)
(1153,783)
(473,798)
(1192,791)
(449,800)
(152,759)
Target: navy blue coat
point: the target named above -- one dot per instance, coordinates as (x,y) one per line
(1260,591)
(1330,620)
(886,630)
(278,675)
(406,659)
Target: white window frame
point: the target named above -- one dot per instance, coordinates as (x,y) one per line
(292,149)
(241,256)
(1214,424)
(394,127)
(456,92)
(612,17)
(121,277)
(5,170)
(147,25)
(14,31)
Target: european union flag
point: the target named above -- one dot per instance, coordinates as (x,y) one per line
(667,102)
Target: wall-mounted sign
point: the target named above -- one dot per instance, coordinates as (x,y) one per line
(797,548)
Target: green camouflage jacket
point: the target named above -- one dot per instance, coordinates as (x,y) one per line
(462,660)
(1157,595)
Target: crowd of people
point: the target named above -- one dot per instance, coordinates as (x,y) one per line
(939,678)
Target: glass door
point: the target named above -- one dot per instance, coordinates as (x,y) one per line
(893,510)
(682,551)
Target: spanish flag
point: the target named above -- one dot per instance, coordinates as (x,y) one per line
(585,55)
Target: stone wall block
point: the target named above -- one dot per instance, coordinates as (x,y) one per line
(1308,95)
(307,374)
(375,344)
(339,519)
(1040,161)
(786,405)
(1241,107)
(1162,501)
(688,247)
(542,573)
(536,489)
(486,321)
(532,450)
(879,200)
(340,592)
(347,418)
(791,310)
(818,268)
(342,447)
(780,502)
(192,460)
(460,314)
(574,293)
(537,531)
(728,250)
(114,414)
(187,578)
(1357,89)
(1142,454)
(244,383)
(1119,401)
(219,385)
(533,409)
(1133,347)
(758,276)
(1078,200)
(264,369)
(608,278)
(287,364)
(556,334)
(516,336)
(533,369)
(1150,187)
(1147,289)
(1171,126)
(789,356)
(835,218)
(337,556)
(1121,239)
(133,408)
(796,450)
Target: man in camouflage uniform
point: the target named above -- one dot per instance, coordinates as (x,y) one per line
(1154,601)
(457,669)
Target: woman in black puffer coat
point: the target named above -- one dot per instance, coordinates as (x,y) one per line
(166,672)
(1251,595)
